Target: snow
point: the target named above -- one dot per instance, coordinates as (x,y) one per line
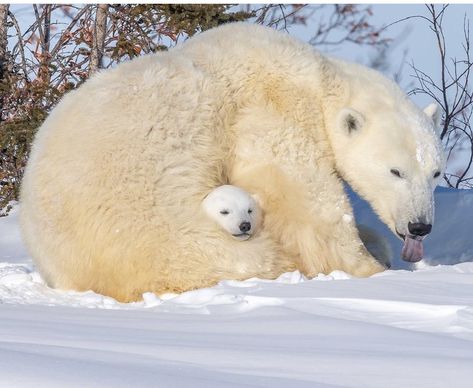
(401,328)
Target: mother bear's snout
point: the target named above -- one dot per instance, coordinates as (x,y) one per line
(419,228)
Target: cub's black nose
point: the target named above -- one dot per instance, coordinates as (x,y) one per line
(245,226)
(419,229)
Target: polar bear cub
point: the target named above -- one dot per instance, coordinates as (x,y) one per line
(235,210)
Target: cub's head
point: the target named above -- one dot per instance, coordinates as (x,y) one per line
(235,210)
(390,152)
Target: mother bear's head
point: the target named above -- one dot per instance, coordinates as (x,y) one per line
(390,152)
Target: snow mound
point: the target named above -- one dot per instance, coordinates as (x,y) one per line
(21,284)
(361,299)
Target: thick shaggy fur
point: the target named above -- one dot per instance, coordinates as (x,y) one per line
(111,195)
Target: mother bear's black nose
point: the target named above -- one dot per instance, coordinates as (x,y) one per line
(419,229)
(245,226)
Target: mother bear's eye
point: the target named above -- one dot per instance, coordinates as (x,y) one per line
(250,211)
(396,172)
(224,212)
(437,174)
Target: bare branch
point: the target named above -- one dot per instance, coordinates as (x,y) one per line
(65,34)
(453,93)
(20,45)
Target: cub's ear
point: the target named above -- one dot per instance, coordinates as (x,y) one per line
(350,121)
(433,112)
(257,198)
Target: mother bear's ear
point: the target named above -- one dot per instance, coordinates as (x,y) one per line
(433,112)
(350,120)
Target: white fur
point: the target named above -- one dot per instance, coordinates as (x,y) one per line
(230,207)
(112,193)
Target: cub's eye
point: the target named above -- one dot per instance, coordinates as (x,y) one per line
(250,211)
(437,174)
(396,172)
(224,212)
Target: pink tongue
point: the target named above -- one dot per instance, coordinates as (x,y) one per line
(413,249)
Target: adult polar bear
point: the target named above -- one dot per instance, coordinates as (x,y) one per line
(112,192)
